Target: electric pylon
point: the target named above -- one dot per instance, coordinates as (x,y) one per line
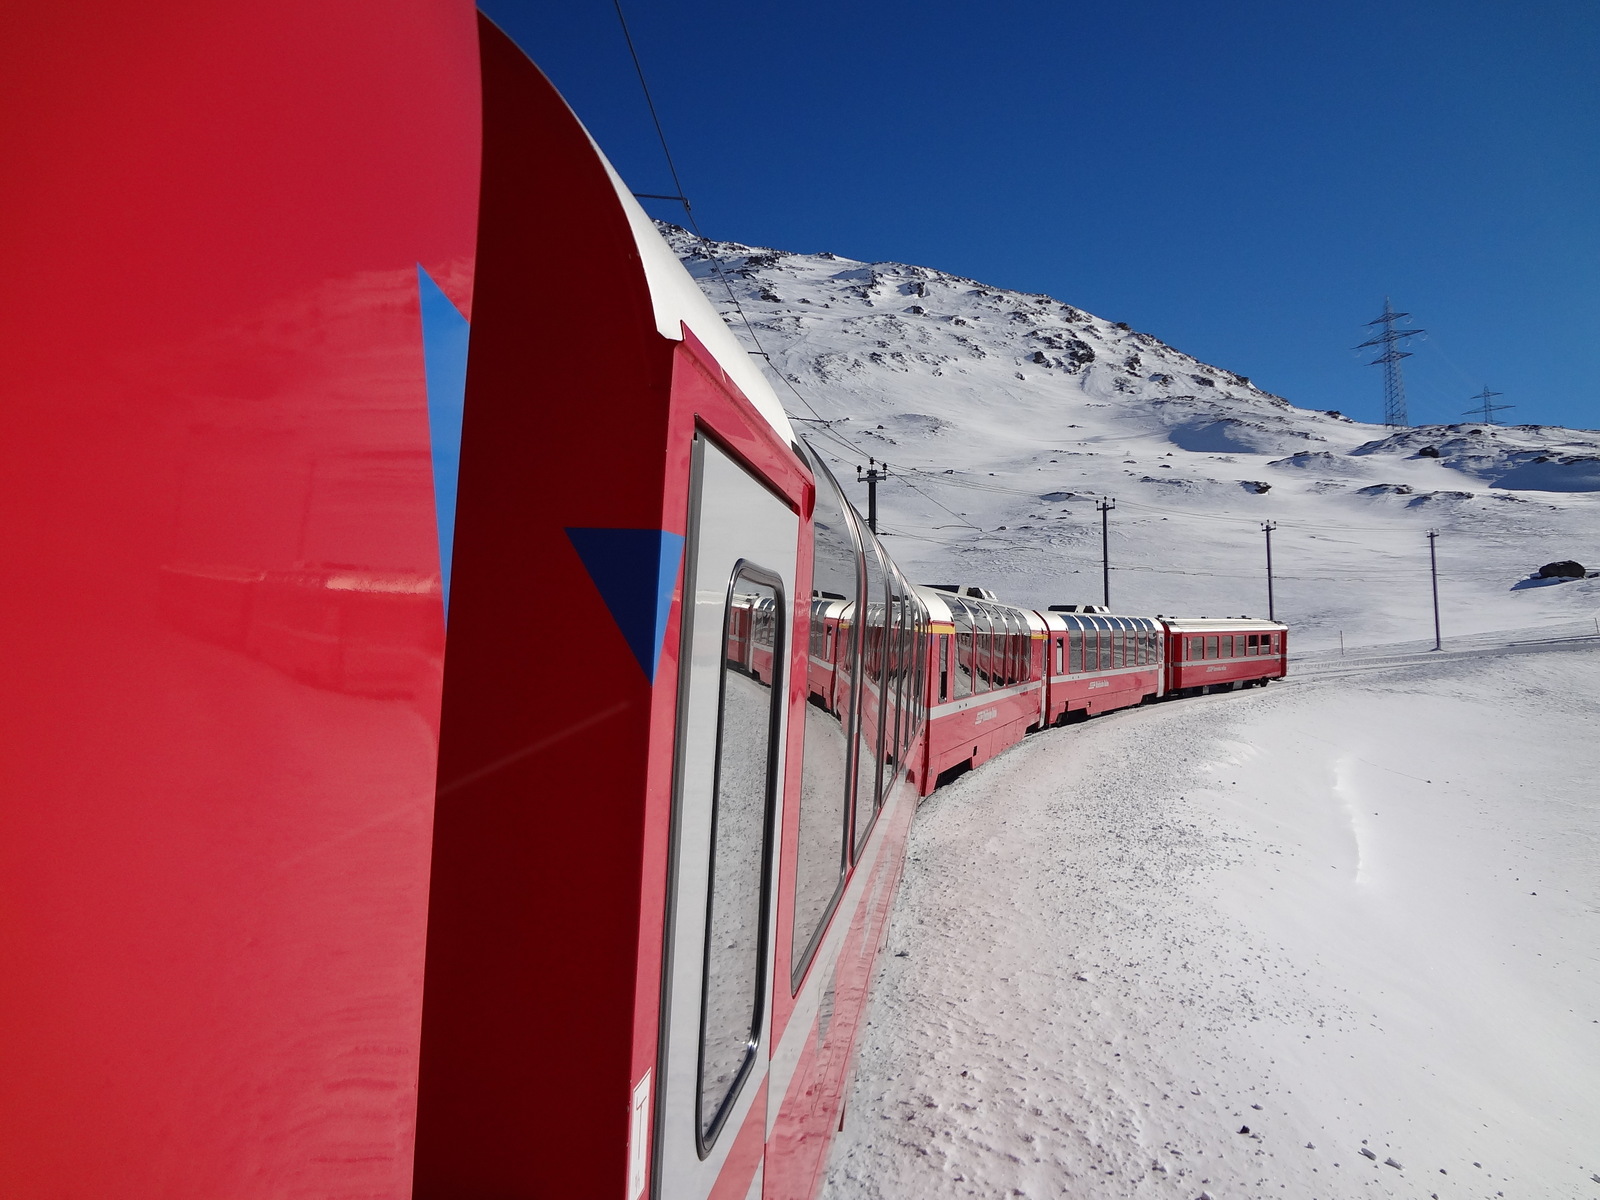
(1486,408)
(1394,384)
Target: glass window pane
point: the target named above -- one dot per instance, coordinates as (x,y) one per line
(872,699)
(964,663)
(825,769)
(741,800)
(982,648)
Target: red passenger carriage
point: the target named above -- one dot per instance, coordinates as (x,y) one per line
(1214,655)
(247,776)
(1100,662)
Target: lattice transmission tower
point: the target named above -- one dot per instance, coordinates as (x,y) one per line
(1394,383)
(1485,406)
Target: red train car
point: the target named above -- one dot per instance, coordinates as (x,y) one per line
(1214,655)
(1100,662)
(986,679)
(300,895)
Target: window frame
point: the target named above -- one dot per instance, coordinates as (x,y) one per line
(706,1135)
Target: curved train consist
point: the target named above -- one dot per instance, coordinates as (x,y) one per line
(318,318)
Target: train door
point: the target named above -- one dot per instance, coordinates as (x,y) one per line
(711,1107)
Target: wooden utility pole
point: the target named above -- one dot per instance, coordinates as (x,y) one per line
(1103,507)
(1433,567)
(1267,527)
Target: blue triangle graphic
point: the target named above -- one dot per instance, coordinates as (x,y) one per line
(636,572)
(444,357)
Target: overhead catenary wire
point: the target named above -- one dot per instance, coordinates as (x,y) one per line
(694,225)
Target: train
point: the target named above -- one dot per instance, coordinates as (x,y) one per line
(460,741)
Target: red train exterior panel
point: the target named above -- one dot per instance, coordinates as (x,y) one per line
(224,621)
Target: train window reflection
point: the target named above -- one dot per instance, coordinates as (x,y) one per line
(825,770)
(747,718)
(963,623)
(871,699)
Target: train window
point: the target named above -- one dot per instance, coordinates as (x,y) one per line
(893,676)
(825,769)
(747,721)
(921,636)
(944,666)
(982,648)
(1061,654)
(873,696)
(1226,650)
(903,698)
(963,623)
(1211,648)
(995,663)
(908,679)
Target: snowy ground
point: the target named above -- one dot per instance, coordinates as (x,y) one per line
(1357,913)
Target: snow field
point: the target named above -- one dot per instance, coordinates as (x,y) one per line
(1004,416)
(1359,912)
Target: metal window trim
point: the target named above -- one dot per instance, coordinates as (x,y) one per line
(706,1136)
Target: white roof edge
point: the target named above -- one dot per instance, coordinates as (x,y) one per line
(933,600)
(1199,624)
(679,302)
(938,610)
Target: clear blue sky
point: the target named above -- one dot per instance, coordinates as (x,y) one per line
(1245,180)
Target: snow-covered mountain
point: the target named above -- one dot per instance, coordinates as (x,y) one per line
(1004,417)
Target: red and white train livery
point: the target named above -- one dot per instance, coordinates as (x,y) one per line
(317,315)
